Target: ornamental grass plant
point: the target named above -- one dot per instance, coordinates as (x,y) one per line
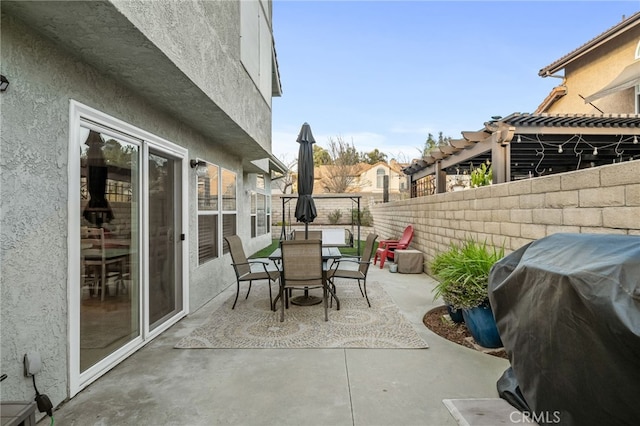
(463,273)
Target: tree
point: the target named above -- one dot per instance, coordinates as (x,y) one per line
(285,182)
(428,144)
(341,173)
(431,143)
(320,156)
(374,157)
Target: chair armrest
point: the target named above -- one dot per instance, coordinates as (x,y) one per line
(385,243)
(336,263)
(252,262)
(392,245)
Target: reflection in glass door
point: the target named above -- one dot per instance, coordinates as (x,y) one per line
(109,194)
(165,284)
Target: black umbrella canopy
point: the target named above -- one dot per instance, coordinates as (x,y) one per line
(305,207)
(97,210)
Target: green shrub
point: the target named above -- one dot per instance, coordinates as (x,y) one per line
(481,176)
(366,219)
(335,216)
(463,272)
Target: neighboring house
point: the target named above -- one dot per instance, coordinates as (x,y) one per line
(565,133)
(362,178)
(371,177)
(605,72)
(135,136)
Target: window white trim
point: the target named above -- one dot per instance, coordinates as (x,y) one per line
(637,51)
(211,212)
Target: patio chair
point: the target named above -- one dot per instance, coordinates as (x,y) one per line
(359,274)
(242,267)
(386,247)
(301,269)
(299,234)
(100,263)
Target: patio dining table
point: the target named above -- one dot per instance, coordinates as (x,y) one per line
(328,253)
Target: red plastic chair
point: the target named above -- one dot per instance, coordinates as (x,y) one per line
(386,247)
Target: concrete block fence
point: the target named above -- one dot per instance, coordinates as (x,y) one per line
(598,200)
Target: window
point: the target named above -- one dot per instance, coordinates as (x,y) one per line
(208,213)
(260,208)
(256,44)
(638,99)
(380,178)
(268,201)
(229,199)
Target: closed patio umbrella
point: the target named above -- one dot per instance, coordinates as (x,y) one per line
(97,211)
(305,207)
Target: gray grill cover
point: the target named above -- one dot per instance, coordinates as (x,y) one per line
(568,311)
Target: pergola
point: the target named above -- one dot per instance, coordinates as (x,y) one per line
(355,199)
(522,146)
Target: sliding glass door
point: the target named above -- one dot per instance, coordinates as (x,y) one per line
(126,241)
(165,291)
(109,234)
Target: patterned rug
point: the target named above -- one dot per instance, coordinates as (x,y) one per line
(252,325)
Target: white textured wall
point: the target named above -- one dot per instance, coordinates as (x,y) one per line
(207,49)
(34,196)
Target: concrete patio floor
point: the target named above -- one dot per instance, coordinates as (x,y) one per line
(160,385)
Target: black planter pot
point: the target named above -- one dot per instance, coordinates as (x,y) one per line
(455,314)
(482,326)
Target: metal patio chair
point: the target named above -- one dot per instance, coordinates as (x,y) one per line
(242,267)
(359,274)
(301,269)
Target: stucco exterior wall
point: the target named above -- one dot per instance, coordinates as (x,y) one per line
(598,200)
(209,34)
(593,71)
(34,195)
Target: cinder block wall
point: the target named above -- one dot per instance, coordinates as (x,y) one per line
(599,200)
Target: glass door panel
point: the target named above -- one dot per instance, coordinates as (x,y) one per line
(165,269)
(109,195)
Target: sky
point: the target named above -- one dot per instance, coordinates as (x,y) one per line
(385,74)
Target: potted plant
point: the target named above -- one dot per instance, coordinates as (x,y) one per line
(463,274)
(481,176)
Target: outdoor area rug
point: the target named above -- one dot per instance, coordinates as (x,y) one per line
(252,325)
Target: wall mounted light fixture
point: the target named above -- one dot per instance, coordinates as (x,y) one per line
(4,83)
(200,166)
(197,163)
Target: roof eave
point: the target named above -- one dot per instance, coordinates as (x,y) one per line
(592,44)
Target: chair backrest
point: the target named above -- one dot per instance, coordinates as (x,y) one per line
(407,236)
(95,237)
(301,262)
(298,234)
(237,255)
(366,254)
